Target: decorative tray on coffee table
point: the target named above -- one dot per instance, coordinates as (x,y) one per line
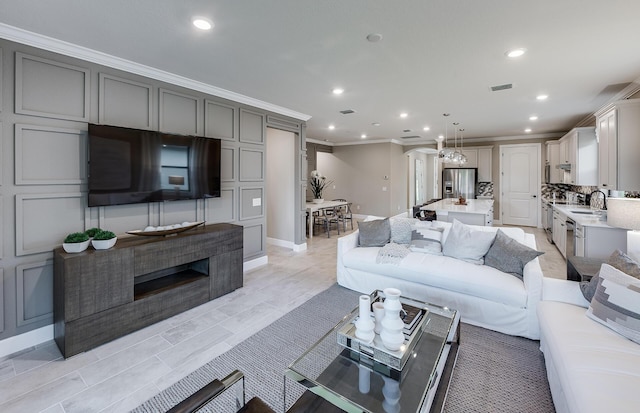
(376,350)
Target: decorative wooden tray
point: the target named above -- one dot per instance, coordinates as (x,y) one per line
(166,232)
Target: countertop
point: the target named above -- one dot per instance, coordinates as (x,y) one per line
(581,219)
(474,206)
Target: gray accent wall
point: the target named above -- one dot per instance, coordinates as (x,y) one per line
(46,102)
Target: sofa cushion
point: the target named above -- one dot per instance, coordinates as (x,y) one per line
(445,273)
(374,233)
(617,259)
(427,239)
(508,255)
(597,369)
(467,244)
(616,303)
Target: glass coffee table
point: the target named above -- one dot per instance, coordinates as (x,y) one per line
(337,378)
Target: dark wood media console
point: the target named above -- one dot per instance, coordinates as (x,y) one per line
(100,295)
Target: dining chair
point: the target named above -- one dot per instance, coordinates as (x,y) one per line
(329,217)
(344,215)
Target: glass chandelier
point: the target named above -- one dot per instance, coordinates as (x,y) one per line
(458,157)
(446,153)
(452,155)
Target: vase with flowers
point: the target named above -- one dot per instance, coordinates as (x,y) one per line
(318,183)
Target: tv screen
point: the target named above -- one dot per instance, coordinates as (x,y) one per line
(128,166)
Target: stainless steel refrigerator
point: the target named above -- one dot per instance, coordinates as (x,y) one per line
(458,182)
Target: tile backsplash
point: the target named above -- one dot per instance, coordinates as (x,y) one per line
(485,189)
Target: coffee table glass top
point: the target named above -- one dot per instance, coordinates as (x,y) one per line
(356,383)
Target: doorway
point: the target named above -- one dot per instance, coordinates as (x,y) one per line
(280,187)
(520,170)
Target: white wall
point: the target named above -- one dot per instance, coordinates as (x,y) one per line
(280,185)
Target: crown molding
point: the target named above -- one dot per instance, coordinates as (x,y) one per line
(40,41)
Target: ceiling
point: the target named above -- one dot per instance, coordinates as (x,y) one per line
(435,56)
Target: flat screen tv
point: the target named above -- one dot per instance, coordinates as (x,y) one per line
(129,166)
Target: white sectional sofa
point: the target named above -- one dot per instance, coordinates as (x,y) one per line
(485,296)
(590,367)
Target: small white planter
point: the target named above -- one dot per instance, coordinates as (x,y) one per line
(318,200)
(104,244)
(75,246)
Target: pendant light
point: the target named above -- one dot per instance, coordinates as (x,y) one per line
(446,153)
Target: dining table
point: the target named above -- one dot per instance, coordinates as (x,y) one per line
(314,207)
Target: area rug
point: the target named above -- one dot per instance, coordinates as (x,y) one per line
(494,372)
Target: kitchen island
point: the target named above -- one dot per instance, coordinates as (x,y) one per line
(475,212)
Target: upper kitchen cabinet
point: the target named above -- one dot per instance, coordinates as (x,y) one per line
(618,132)
(553,159)
(484,164)
(479,157)
(579,149)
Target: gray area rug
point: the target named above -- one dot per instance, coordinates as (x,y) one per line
(494,372)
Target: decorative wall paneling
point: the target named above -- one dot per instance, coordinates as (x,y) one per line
(55,97)
(51,89)
(251,202)
(179,112)
(1,299)
(221,209)
(219,121)
(252,127)
(42,232)
(34,298)
(36,147)
(254,240)
(124,102)
(252,165)
(228,164)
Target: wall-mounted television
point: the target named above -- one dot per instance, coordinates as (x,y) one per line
(129,166)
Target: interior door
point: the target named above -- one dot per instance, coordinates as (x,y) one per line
(520,184)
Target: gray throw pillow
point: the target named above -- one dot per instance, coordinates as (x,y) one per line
(374,233)
(508,255)
(466,244)
(618,260)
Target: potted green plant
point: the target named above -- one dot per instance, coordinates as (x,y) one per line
(103,240)
(76,242)
(318,183)
(91,232)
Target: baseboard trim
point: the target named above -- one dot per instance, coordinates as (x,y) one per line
(255,263)
(23,341)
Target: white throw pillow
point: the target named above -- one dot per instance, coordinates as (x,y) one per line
(466,244)
(426,238)
(401,229)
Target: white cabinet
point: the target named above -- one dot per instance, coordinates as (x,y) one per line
(485,164)
(581,152)
(560,232)
(618,127)
(481,158)
(553,159)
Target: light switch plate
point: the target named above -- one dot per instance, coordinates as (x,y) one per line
(257,202)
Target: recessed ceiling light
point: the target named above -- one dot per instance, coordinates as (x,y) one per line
(374,37)
(542,97)
(426,128)
(527,130)
(534,117)
(404,115)
(202,23)
(363,136)
(338,91)
(332,127)
(375,124)
(515,52)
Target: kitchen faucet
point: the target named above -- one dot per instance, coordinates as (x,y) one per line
(598,197)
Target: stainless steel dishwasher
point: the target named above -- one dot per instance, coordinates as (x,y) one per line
(570,250)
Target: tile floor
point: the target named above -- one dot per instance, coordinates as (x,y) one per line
(120,375)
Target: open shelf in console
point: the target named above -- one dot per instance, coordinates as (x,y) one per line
(169,278)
